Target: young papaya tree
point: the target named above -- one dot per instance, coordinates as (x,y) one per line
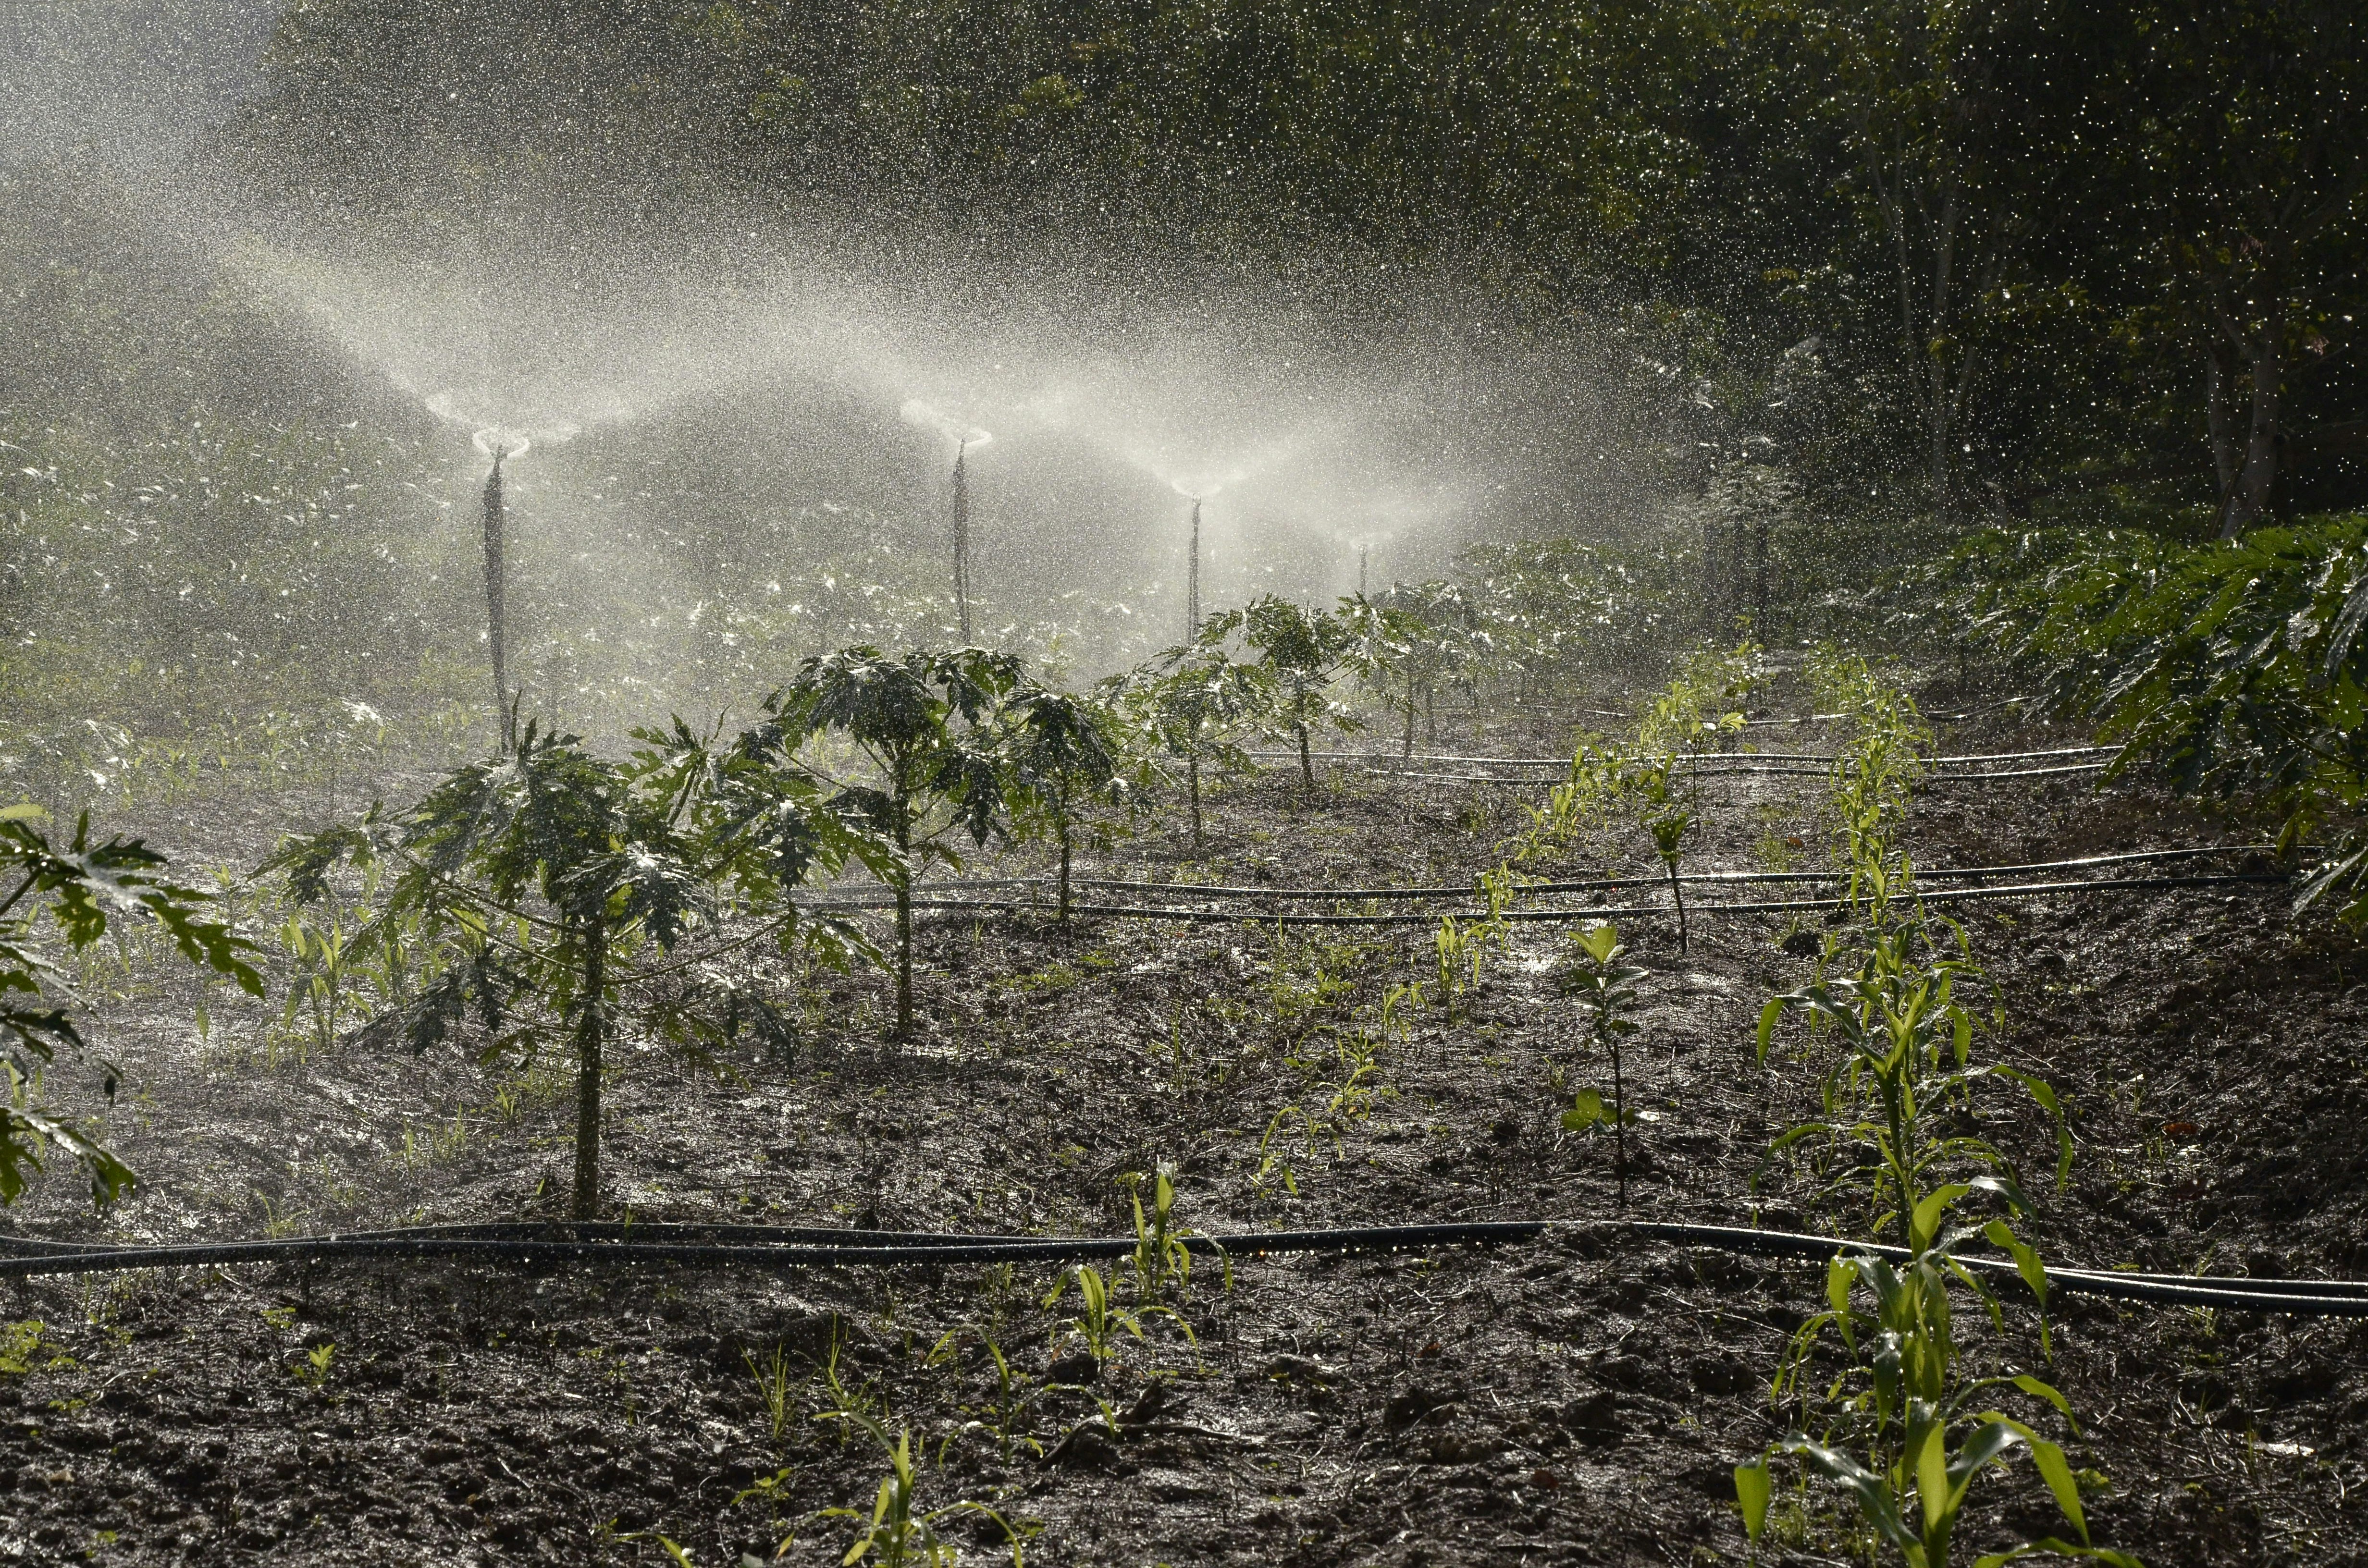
(1435,625)
(1194,706)
(928,725)
(544,874)
(81,887)
(1063,756)
(1304,652)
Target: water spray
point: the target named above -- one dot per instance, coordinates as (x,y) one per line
(965,436)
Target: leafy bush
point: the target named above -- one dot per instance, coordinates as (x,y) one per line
(81,886)
(2237,665)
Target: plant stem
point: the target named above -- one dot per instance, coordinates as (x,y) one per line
(587,1074)
(1306,764)
(1619,1124)
(1678,892)
(1061,822)
(1192,788)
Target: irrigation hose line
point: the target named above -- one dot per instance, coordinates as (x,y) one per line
(1564,762)
(872,899)
(770,1247)
(1623,912)
(1737,772)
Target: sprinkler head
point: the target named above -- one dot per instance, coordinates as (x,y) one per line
(917,412)
(497,443)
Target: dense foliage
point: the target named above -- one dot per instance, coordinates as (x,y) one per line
(2237,665)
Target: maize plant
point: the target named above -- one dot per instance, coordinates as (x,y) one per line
(1908,1431)
(1904,1055)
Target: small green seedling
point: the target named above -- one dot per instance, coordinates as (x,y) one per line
(1668,840)
(1607,989)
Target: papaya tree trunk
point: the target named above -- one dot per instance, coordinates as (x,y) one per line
(586,1203)
(1192,788)
(1619,1124)
(903,907)
(1061,828)
(1407,752)
(1306,762)
(1678,892)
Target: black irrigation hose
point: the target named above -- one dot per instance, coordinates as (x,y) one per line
(836,1252)
(1773,906)
(2308,1298)
(781,1248)
(872,900)
(1937,777)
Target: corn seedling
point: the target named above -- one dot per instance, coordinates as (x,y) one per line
(1160,1256)
(1098,1319)
(1607,990)
(898,1533)
(1905,1055)
(1908,1433)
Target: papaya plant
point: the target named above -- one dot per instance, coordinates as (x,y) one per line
(82,887)
(1194,706)
(927,723)
(544,872)
(1304,652)
(1063,756)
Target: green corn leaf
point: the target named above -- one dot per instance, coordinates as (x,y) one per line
(1752,1490)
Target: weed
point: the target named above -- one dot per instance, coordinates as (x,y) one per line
(312,1372)
(772,1380)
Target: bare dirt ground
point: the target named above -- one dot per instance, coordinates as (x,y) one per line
(1581,1399)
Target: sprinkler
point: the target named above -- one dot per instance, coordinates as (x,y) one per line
(965,436)
(1193,558)
(498,444)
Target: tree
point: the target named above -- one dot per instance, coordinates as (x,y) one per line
(539,876)
(926,724)
(1061,755)
(1194,706)
(1303,651)
(2244,128)
(81,887)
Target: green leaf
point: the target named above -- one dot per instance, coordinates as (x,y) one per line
(1753,1487)
(1586,1109)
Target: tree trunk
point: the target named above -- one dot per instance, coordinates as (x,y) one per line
(587,1202)
(1192,788)
(1061,826)
(904,883)
(1408,749)
(1678,892)
(2216,422)
(1306,762)
(2250,497)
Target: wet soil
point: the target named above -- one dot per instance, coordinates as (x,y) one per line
(1582,1399)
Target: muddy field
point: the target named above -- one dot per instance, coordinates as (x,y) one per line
(1581,1399)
